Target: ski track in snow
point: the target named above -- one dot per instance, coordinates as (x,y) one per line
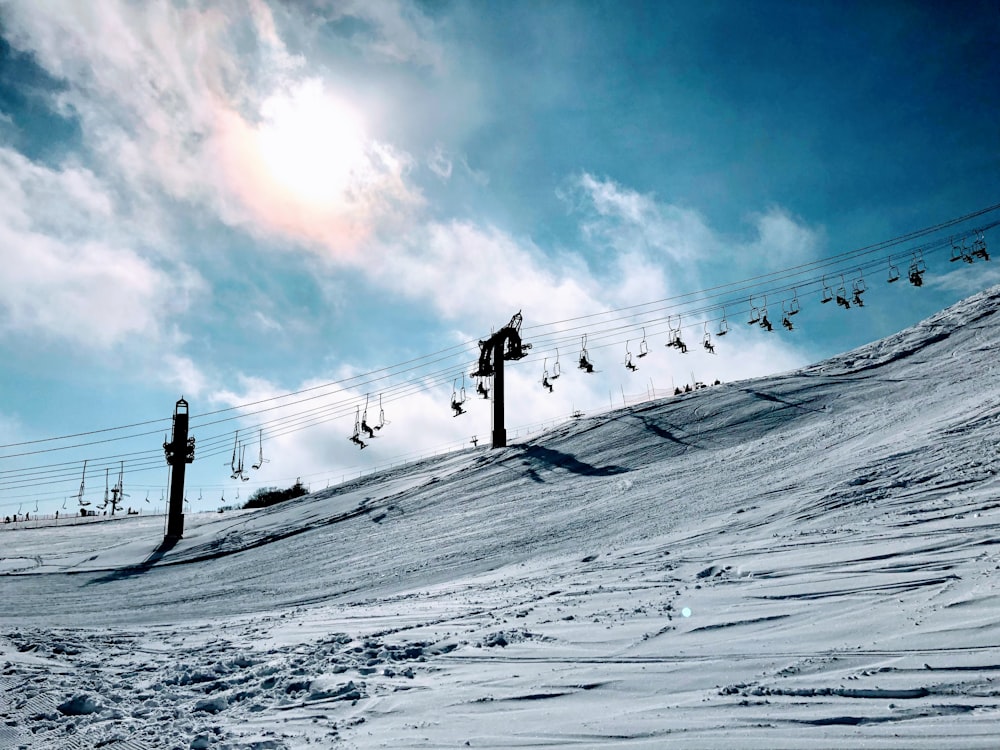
(805,560)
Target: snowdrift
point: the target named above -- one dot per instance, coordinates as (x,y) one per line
(808,559)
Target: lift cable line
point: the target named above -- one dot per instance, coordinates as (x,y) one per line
(837,259)
(312,417)
(785,284)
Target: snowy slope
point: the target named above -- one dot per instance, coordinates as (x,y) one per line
(804,560)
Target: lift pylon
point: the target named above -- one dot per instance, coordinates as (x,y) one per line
(503,345)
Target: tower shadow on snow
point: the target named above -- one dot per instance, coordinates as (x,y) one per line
(556,459)
(136,570)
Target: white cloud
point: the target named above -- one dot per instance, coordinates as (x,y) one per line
(965,280)
(626,221)
(67,271)
(398,31)
(440,163)
(782,241)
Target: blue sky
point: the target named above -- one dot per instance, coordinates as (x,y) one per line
(238,200)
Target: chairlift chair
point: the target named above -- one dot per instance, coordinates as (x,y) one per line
(893,272)
(764,322)
(584,363)
(260,451)
(961,253)
(979,247)
(917,269)
(754,313)
(382,421)
(458,397)
(706,340)
(643,346)
(364,421)
(232,461)
(859,287)
(546,381)
(629,364)
(675,335)
(556,369)
(827,293)
(83,479)
(481,389)
(356,437)
(793,304)
(723,324)
(842,294)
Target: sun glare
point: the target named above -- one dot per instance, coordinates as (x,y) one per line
(312,144)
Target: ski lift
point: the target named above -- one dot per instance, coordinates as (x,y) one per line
(793,306)
(858,288)
(723,324)
(239,468)
(382,421)
(979,247)
(827,294)
(629,364)
(364,421)
(706,340)
(764,322)
(842,294)
(458,397)
(232,461)
(556,369)
(754,313)
(643,346)
(585,363)
(960,253)
(675,335)
(260,452)
(893,272)
(546,382)
(356,437)
(104,505)
(787,313)
(481,389)
(917,269)
(79,496)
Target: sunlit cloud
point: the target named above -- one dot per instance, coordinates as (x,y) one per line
(169,103)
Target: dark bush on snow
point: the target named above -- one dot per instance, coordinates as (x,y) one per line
(266,496)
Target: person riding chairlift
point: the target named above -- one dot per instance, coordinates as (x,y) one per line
(585,363)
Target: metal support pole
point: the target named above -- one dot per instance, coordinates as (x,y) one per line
(179,452)
(499,431)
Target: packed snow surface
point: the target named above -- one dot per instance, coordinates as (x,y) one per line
(800,561)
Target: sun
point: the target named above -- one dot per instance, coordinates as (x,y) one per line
(311,144)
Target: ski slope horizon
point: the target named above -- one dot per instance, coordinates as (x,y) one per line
(806,559)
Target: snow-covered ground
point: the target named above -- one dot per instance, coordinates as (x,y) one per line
(808,560)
